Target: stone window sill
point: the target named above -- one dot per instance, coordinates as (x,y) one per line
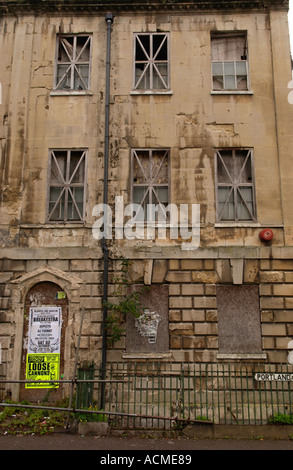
(54,225)
(246,224)
(232,92)
(151,92)
(70,93)
(236,224)
(147,355)
(241,356)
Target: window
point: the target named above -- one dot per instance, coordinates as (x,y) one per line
(149,333)
(67,185)
(239,325)
(235,185)
(73,63)
(229,62)
(150,175)
(151,69)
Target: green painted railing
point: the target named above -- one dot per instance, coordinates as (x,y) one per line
(153,394)
(164,394)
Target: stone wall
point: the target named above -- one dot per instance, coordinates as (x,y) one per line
(193,316)
(191,121)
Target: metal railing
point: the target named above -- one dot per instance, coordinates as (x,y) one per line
(159,395)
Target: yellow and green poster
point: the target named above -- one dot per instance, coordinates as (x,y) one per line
(43,356)
(42,367)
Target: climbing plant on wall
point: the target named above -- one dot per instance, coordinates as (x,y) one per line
(127,302)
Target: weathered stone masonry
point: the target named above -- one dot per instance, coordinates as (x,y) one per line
(193,326)
(190,120)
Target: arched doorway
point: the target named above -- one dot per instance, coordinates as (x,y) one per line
(45,321)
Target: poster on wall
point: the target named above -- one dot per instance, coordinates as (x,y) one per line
(44,339)
(42,367)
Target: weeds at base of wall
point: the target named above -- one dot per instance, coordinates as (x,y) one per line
(91,417)
(14,420)
(281,418)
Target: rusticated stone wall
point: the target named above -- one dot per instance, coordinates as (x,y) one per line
(192,316)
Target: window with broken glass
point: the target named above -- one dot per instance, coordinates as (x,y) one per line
(150,190)
(67,169)
(229,62)
(73,63)
(151,64)
(235,185)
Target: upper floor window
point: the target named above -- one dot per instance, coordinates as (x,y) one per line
(235,185)
(67,169)
(150,175)
(73,63)
(151,61)
(229,62)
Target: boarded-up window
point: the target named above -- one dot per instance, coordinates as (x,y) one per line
(229,62)
(239,326)
(150,332)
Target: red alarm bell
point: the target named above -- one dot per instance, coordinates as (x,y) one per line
(266,234)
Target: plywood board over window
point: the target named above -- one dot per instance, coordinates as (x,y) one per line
(239,325)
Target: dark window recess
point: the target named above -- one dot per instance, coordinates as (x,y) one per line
(150,170)
(235,185)
(73,63)
(151,57)
(67,185)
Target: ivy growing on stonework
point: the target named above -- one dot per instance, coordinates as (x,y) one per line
(128,302)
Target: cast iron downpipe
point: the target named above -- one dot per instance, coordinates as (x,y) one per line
(109,20)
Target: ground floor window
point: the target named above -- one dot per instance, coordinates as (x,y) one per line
(150,332)
(239,325)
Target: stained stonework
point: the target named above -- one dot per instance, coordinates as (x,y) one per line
(20,288)
(150,332)
(192,121)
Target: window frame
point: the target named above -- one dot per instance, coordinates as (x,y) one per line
(150,152)
(234,186)
(151,63)
(71,65)
(219,35)
(66,186)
